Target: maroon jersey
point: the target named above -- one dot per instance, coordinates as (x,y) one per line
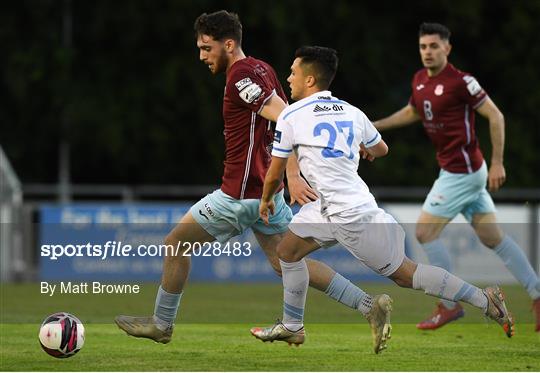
(446,104)
(248,136)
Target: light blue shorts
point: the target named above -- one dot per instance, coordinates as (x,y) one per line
(225,217)
(452,194)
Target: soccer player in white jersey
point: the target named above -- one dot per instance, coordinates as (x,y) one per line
(253,98)
(328,136)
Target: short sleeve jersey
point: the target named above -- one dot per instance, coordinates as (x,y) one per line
(326,133)
(446,104)
(248,136)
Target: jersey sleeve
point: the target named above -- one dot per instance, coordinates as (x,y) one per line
(471,91)
(283,139)
(371,136)
(247,89)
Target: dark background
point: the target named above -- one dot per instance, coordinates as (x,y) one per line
(137,107)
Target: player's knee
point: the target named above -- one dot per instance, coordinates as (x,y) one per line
(173,249)
(490,241)
(170,239)
(424,233)
(274,262)
(280,251)
(490,235)
(420,234)
(287,255)
(402,281)
(487,230)
(403,276)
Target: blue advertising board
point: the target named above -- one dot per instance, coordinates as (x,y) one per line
(119,242)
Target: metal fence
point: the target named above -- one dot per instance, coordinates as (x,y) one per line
(11,205)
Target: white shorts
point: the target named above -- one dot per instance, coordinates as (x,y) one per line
(368,232)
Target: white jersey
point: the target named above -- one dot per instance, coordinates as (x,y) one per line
(325,133)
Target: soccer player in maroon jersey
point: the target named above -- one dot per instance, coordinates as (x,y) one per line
(445,99)
(253,99)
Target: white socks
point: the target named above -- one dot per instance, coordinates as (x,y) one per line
(442,284)
(295,278)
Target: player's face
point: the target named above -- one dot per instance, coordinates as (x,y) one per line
(297,80)
(212,53)
(434,52)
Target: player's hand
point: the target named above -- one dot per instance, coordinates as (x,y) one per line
(364,153)
(496,177)
(265,208)
(300,191)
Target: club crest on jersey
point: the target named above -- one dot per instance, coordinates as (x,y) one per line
(439,89)
(250,93)
(277,136)
(242,83)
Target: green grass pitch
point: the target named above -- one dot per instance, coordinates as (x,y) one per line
(212,333)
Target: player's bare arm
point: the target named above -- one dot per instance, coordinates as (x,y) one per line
(299,190)
(272,108)
(379,150)
(497,173)
(407,115)
(272,181)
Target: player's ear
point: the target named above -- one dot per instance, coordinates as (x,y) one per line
(448,48)
(310,81)
(229,45)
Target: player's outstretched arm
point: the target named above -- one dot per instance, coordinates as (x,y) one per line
(272,181)
(400,118)
(497,173)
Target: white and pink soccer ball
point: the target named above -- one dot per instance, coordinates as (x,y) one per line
(61,335)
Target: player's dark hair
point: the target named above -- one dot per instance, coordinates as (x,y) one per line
(323,62)
(220,25)
(427,28)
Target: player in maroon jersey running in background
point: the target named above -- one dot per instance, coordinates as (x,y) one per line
(253,99)
(444,99)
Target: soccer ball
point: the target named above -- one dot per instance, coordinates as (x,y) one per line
(61,335)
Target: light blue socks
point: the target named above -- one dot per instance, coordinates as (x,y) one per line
(510,253)
(442,284)
(349,294)
(166,308)
(517,263)
(295,277)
